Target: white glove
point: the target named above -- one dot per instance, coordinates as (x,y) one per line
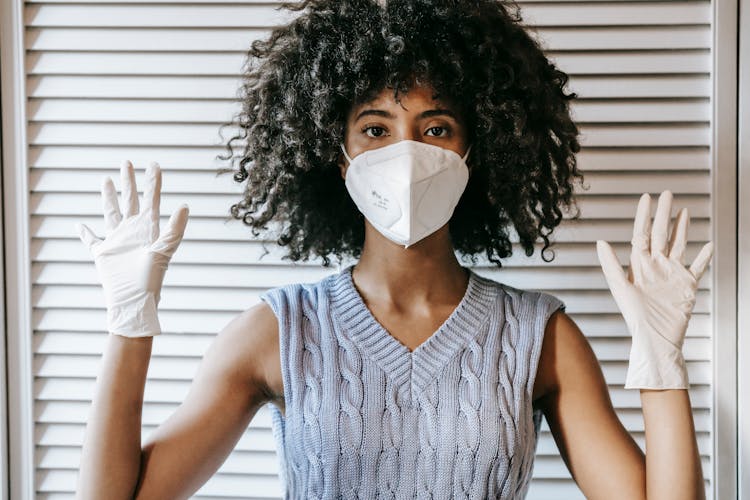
(132,258)
(657,297)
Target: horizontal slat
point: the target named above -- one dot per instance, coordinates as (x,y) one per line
(555,467)
(274,2)
(78,412)
(225,485)
(271,3)
(226,64)
(131,63)
(217,112)
(149,134)
(577,255)
(616,14)
(226,87)
(55,281)
(641,111)
(203,205)
(192,182)
(227,253)
(123,87)
(228,15)
(629,86)
(638,37)
(654,62)
(193,158)
(255,438)
(232,40)
(173,16)
(78,331)
(190,343)
(119,39)
(238,462)
(52,235)
(646,135)
(644,160)
(127,134)
(178,298)
(127,111)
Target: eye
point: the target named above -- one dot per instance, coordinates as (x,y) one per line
(377,131)
(437,129)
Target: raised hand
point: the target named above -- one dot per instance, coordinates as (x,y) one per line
(132,258)
(657,295)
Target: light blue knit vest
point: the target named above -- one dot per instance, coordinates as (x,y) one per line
(368,418)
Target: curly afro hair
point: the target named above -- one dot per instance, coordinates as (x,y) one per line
(300,83)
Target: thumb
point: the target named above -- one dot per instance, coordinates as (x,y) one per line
(167,243)
(700,263)
(611,267)
(86,235)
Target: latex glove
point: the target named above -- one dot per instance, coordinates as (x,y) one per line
(132,257)
(657,296)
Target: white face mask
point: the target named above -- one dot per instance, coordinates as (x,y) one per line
(408,189)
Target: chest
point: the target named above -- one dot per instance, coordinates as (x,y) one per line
(365,418)
(411,337)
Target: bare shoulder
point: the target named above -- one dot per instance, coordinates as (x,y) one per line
(565,352)
(249,346)
(601,455)
(231,381)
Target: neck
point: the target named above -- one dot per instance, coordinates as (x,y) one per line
(425,271)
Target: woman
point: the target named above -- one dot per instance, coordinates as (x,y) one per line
(399,134)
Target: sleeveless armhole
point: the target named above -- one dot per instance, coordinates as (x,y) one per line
(539,309)
(278,300)
(546,306)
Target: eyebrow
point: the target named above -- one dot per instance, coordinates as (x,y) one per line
(425,114)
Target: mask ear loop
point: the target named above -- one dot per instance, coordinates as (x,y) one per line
(466,154)
(344,151)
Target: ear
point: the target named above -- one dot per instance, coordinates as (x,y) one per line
(342,165)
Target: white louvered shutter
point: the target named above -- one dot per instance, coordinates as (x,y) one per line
(142,81)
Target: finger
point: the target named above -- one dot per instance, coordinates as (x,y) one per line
(169,241)
(129,191)
(86,235)
(698,267)
(112,216)
(611,267)
(642,225)
(641,236)
(678,241)
(152,197)
(660,229)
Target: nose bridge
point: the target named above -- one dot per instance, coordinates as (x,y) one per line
(406,129)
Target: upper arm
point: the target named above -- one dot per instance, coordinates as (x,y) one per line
(603,458)
(186,450)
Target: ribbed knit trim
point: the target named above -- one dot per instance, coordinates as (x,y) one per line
(428,359)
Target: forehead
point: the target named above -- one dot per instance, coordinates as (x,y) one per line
(417,97)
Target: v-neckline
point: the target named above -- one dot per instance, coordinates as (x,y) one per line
(399,362)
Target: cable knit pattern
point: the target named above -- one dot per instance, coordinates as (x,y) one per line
(368,418)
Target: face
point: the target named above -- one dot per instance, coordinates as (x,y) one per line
(418,117)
